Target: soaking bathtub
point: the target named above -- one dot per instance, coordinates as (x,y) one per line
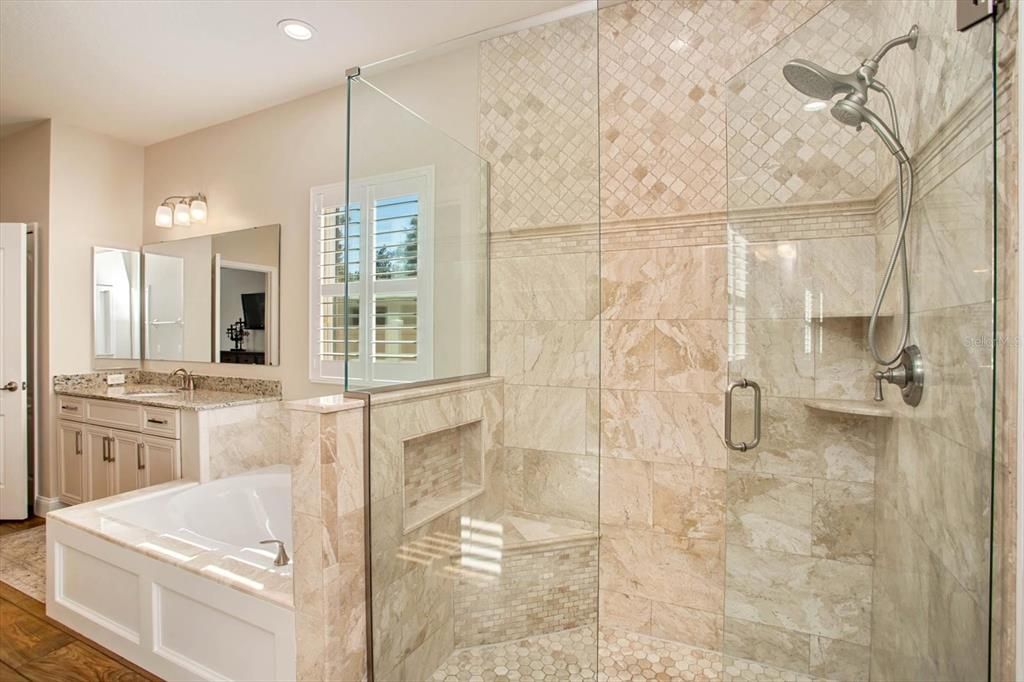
(174,577)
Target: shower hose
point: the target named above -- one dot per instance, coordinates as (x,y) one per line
(899,250)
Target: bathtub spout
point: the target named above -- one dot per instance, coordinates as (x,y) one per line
(282,556)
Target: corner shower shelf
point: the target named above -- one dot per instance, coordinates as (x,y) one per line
(862,408)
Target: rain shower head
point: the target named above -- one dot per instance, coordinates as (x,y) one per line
(818,82)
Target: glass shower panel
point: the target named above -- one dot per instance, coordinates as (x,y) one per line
(415,244)
(484,476)
(858,530)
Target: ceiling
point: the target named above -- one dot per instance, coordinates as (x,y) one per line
(148,70)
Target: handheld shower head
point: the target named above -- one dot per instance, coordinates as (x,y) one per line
(852,113)
(818,82)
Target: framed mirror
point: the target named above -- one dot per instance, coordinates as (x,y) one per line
(214,298)
(115,306)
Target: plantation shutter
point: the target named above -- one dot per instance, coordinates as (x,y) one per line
(383,254)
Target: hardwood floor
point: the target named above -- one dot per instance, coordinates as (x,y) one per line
(14,526)
(33,647)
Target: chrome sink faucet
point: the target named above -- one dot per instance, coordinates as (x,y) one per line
(188,382)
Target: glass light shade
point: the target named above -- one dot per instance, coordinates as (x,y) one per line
(181,214)
(197,209)
(164,216)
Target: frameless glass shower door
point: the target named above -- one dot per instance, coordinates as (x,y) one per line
(858,528)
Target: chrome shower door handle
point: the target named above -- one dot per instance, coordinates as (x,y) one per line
(743,446)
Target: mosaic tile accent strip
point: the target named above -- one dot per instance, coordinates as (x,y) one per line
(537,591)
(806,221)
(439,463)
(539,124)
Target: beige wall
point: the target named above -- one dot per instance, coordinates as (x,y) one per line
(87,193)
(258,170)
(95,198)
(25,198)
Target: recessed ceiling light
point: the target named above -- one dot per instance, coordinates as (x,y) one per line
(815,105)
(296,29)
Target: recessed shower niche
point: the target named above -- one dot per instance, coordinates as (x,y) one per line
(440,471)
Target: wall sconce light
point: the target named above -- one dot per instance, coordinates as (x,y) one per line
(181,210)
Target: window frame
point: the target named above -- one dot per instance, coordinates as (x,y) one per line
(364,194)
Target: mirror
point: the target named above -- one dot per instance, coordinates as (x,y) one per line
(115,305)
(214,298)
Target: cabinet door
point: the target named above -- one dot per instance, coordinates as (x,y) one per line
(126,461)
(161,460)
(97,473)
(70,458)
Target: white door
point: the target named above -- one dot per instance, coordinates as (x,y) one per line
(13,373)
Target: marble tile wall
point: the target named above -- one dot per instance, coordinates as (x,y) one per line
(241,438)
(934,552)
(545,305)
(413,576)
(325,444)
(739,552)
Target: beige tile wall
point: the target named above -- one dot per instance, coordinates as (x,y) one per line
(802,506)
(769,554)
(412,574)
(935,484)
(329,539)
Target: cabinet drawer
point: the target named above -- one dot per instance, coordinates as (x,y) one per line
(70,408)
(160,421)
(117,415)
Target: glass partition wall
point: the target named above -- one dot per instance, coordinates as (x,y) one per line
(581,242)
(473,199)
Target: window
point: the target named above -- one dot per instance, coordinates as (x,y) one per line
(380,247)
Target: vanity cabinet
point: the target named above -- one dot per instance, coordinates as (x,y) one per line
(105,448)
(70,459)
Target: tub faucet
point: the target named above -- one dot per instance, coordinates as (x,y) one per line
(282,556)
(188,382)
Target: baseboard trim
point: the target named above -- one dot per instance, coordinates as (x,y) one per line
(44,505)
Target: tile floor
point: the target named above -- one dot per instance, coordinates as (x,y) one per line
(23,557)
(625,656)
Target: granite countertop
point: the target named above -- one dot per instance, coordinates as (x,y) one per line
(158,395)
